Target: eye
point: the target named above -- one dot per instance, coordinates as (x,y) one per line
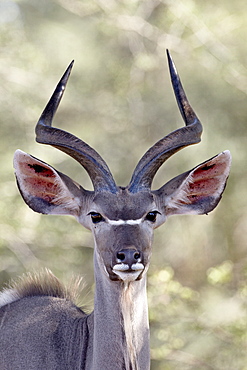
(96,217)
(151,216)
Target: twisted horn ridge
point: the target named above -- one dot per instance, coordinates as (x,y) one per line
(96,167)
(190,134)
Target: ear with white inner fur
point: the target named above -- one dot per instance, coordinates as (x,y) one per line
(44,189)
(197,191)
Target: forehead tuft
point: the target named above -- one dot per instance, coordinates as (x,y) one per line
(124,205)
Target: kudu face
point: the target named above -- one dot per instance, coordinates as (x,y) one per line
(122,220)
(123,232)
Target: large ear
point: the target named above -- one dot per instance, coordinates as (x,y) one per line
(197,191)
(44,189)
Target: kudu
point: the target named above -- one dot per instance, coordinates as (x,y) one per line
(40,327)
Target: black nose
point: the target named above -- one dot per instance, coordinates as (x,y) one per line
(128,256)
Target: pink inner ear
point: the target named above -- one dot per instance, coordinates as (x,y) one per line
(201,189)
(38,169)
(37,179)
(208,179)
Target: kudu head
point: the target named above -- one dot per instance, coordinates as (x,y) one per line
(122,219)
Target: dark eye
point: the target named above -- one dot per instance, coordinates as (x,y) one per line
(151,216)
(96,217)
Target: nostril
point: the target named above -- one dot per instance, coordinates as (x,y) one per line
(121,256)
(137,255)
(128,256)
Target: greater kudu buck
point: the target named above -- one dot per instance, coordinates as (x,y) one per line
(40,327)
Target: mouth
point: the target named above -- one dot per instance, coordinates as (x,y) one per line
(127,273)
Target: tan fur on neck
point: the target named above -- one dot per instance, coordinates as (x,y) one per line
(127,300)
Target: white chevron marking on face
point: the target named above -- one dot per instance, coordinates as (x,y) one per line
(125,222)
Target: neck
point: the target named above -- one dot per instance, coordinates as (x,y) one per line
(121,331)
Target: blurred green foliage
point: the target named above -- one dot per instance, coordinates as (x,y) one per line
(119,100)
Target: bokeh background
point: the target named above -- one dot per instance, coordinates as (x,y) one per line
(120,101)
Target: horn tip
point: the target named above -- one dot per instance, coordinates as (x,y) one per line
(66,75)
(71,64)
(172,67)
